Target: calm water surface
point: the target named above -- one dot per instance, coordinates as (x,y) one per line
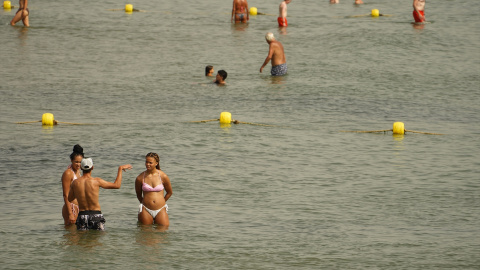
(299,194)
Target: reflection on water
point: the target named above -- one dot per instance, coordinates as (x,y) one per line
(47,129)
(418,26)
(86,239)
(151,235)
(226,127)
(239,26)
(22,35)
(398,138)
(277,79)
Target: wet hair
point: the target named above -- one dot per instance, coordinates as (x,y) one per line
(207,69)
(156,157)
(223,73)
(269,37)
(77,151)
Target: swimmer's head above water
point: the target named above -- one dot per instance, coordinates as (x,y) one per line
(269,37)
(209,70)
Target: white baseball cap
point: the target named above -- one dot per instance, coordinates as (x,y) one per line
(86,164)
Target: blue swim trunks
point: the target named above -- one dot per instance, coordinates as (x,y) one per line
(279,70)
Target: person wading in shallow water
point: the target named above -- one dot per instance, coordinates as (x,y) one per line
(277,55)
(85,189)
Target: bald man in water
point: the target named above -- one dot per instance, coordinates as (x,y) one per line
(240,11)
(277,55)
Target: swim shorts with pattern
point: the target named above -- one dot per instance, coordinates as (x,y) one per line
(90,220)
(279,70)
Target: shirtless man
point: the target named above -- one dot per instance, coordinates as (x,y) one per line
(22,13)
(277,55)
(240,11)
(282,17)
(85,190)
(220,78)
(358,2)
(419,10)
(334,1)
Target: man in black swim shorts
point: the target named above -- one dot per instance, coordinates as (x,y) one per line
(85,189)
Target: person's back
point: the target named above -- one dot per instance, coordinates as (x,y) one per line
(278,56)
(86,192)
(85,189)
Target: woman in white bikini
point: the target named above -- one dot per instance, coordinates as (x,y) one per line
(150,186)
(70,209)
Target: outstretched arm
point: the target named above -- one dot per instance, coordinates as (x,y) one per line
(118,181)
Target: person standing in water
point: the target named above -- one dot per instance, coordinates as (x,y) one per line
(153,189)
(282,16)
(419,11)
(240,11)
(277,55)
(70,209)
(22,13)
(85,190)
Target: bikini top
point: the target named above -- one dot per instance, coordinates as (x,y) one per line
(148,188)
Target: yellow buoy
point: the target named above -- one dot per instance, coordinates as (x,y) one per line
(7,5)
(253,11)
(398,128)
(128,8)
(225,118)
(47,119)
(375,13)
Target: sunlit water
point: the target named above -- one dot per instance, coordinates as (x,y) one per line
(298,194)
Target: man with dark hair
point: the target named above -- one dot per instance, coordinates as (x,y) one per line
(85,189)
(220,78)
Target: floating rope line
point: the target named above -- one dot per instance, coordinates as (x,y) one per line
(48,120)
(226,118)
(398,128)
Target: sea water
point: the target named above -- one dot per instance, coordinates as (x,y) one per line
(292,193)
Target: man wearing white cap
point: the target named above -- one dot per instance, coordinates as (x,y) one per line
(85,190)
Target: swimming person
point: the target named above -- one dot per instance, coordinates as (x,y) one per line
(419,10)
(150,187)
(70,209)
(240,11)
(282,17)
(358,2)
(209,71)
(221,77)
(22,13)
(85,190)
(277,55)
